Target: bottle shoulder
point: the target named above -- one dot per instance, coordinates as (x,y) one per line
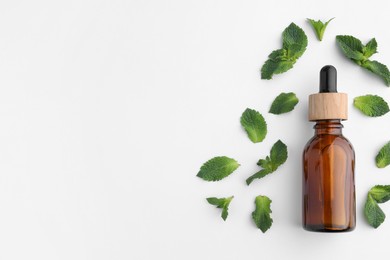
(320,141)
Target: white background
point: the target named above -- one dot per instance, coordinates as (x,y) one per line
(109,108)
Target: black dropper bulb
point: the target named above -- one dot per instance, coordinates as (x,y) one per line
(328,79)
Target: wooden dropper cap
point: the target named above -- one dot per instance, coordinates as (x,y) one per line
(328,104)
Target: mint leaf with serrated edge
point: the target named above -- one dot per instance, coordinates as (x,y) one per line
(217,168)
(284,103)
(370,48)
(371,105)
(373,213)
(378,69)
(278,156)
(262,213)
(319,27)
(281,60)
(294,41)
(382,159)
(380,193)
(222,203)
(254,124)
(353,49)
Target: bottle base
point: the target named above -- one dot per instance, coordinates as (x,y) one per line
(325,229)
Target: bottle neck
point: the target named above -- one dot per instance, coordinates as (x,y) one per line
(328,127)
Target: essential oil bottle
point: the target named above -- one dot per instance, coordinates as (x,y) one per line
(328,162)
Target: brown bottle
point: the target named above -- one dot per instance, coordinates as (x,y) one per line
(328,162)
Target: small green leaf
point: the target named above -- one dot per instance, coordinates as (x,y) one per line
(370,48)
(284,103)
(216,201)
(272,67)
(279,61)
(278,55)
(373,212)
(265,163)
(217,168)
(261,216)
(222,203)
(351,47)
(319,27)
(277,157)
(383,157)
(258,175)
(380,193)
(278,154)
(371,105)
(378,69)
(254,124)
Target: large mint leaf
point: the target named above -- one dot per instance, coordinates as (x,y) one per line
(262,213)
(373,212)
(371,105)
(351,47)
(284,103)
(254,124)
(217,168)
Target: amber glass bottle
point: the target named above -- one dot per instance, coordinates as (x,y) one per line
(328,162)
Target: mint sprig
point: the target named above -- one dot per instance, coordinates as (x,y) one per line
(281,60)
(354,49)
(373,213)
(371,105)
(262,213)
(217,168)
(221,203)
(319,27)
(278,156)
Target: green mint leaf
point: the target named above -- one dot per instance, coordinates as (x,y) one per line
(261,216)
(278,55)
(265,163)
(371,105)
(217,168)
(378,69)
(279,61)
(380,193)
(284,103)
(254,124)
(319,27)
(272,67)
(294,41)
(278,156)
(222,203)
(373,212)
(216,201)
(370,48)
(258,175)
(357,52)
(383,157)
(351,47)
